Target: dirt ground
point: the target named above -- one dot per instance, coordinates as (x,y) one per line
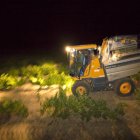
(37,127)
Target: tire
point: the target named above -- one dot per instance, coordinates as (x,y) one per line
(81,88)
(124,87)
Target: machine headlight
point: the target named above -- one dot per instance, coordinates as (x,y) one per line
(67,49)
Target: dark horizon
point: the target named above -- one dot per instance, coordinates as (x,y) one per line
(27,27)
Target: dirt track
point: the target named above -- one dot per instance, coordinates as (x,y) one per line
(36,127)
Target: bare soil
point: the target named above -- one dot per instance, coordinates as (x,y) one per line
(37,127)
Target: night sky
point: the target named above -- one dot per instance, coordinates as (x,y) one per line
(32,26)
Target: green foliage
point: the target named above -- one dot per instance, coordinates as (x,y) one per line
(118,110)
(10,107)
(55,78)
(39,70)
(137,94)
(47,74)
(83,106)
(136,77)
(8,81)
(43,74)
(14,72)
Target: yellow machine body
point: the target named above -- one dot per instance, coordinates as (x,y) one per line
(93,70)
(82,47)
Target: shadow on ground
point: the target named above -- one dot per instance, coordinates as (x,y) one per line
(72,128)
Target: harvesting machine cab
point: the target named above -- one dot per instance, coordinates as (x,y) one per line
(104,67)
(79,58)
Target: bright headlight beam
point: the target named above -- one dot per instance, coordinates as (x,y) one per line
(67,49)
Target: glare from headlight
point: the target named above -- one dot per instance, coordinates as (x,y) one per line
(67,49)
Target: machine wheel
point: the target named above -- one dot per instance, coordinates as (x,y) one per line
(124,87)
(81,88)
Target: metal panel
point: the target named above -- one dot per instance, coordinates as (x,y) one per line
(122,69)
(121,74)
